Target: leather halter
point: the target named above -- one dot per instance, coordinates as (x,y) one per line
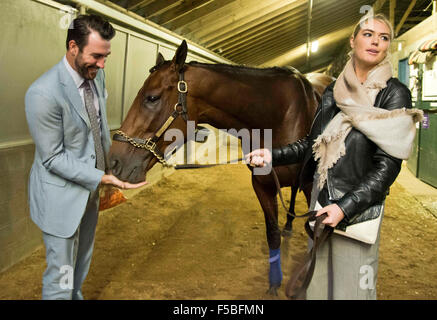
(180,109)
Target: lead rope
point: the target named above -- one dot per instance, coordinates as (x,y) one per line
(297,286)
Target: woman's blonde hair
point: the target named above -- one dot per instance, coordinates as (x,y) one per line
(379,16)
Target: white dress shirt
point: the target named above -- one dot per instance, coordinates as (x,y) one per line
(79,80)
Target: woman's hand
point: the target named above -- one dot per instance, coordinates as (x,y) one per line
(335,215)
(259,158)
(114,181)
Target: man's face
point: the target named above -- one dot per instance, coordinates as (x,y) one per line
(92,57)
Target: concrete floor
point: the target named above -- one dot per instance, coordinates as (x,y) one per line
(421,191)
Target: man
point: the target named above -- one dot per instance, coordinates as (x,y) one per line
(66,114)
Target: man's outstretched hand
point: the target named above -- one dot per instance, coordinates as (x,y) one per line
(114,181)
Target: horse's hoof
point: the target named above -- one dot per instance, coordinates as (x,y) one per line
(287,233)
(273,291)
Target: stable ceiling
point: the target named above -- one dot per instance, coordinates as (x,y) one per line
(271,32)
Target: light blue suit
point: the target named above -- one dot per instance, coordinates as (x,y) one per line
(63,183)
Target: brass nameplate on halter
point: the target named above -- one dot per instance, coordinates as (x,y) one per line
(165,126)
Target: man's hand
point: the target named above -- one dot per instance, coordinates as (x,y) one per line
(259,157)
(335,215)
(113,180)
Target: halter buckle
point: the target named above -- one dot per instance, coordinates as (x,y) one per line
(185,89)
(181,110)
(150,145)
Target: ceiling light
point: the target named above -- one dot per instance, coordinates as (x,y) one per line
(314,46)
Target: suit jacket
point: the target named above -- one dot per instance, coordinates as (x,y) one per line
(63,173)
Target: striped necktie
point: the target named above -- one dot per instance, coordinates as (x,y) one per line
(95,128)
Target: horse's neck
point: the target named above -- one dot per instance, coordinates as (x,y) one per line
(223,102)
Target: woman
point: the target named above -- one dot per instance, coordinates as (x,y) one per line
(363,128)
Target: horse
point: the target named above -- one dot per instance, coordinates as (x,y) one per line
(226,97)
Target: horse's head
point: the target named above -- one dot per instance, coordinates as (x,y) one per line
(139,143)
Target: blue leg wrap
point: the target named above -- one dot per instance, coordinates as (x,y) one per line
(275,274)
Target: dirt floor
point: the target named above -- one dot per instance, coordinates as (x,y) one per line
(200,234)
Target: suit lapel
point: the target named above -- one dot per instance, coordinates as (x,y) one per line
(72,93)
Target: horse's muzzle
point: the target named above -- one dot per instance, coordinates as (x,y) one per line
(130,171)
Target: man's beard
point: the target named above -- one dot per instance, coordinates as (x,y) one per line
(82,69)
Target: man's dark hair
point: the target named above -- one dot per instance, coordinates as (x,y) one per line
(83,25)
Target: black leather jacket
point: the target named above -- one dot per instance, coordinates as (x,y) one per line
(362,177)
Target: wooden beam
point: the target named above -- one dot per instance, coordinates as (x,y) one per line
(378,5)
(268,48)
(132,5)
(255,25)
(299,52)
(416,19)
(233,14)
(158,7)
(272,26)
(182,9)
(206,10)
(404,17)
(289,26)
(392,12)
(266,35)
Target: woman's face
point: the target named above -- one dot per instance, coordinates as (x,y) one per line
(371,43)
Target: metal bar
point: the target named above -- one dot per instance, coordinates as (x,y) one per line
(310,13)
(405,16)
(392,11)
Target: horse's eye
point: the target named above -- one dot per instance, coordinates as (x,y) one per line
(152,98)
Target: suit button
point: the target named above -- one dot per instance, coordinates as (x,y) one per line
(93,156)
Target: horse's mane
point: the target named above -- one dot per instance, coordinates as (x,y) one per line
(246,70)
(237,69)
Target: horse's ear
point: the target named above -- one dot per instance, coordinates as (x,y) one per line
(160,59)
(180,56)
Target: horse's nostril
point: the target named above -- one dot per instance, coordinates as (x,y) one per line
(116,168)
(113,164)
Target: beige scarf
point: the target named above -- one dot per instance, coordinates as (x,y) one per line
(392,131)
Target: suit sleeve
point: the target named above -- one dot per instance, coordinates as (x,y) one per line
(374,186)
(44,117)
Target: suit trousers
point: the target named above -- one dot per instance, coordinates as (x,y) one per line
(68,259)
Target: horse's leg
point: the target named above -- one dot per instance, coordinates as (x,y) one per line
(288,228)
(267,198)
(307,192)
